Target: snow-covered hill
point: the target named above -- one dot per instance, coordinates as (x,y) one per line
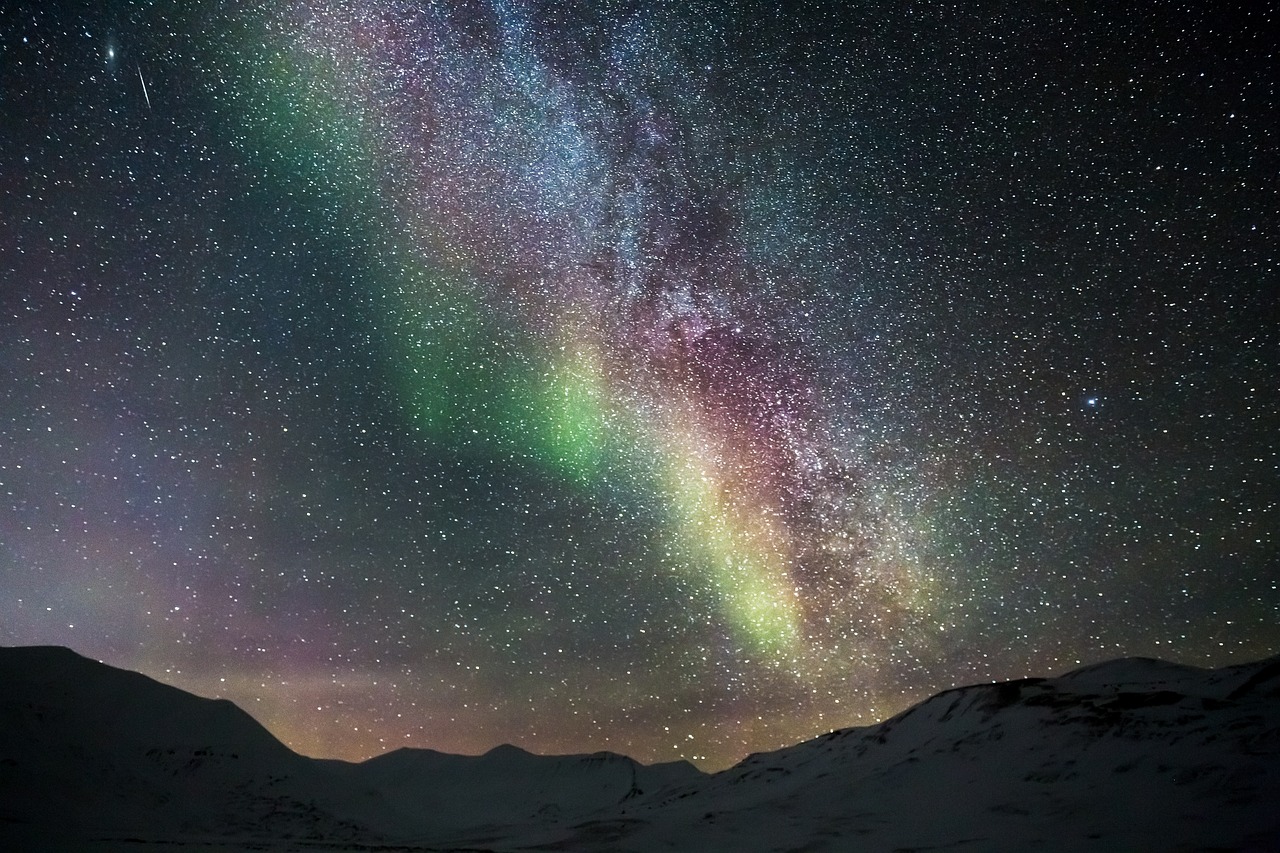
(435,794)
(1127,755)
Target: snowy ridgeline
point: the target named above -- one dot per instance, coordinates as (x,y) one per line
(1128,755)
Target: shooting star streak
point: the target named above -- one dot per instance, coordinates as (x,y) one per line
(144,87)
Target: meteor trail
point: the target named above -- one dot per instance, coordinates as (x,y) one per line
(144,87)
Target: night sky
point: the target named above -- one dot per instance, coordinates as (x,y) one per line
(683,379)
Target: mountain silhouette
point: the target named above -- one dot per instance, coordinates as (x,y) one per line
(1132,754)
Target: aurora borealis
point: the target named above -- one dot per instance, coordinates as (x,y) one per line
(680,379)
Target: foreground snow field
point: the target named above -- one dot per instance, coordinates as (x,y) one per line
(1132,754)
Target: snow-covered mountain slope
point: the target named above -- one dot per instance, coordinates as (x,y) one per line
(1127,755)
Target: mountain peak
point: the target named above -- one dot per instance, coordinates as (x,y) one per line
(508,751)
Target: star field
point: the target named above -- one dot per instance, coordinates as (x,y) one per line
(680,379)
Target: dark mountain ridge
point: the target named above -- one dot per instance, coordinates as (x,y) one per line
(1128,754)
